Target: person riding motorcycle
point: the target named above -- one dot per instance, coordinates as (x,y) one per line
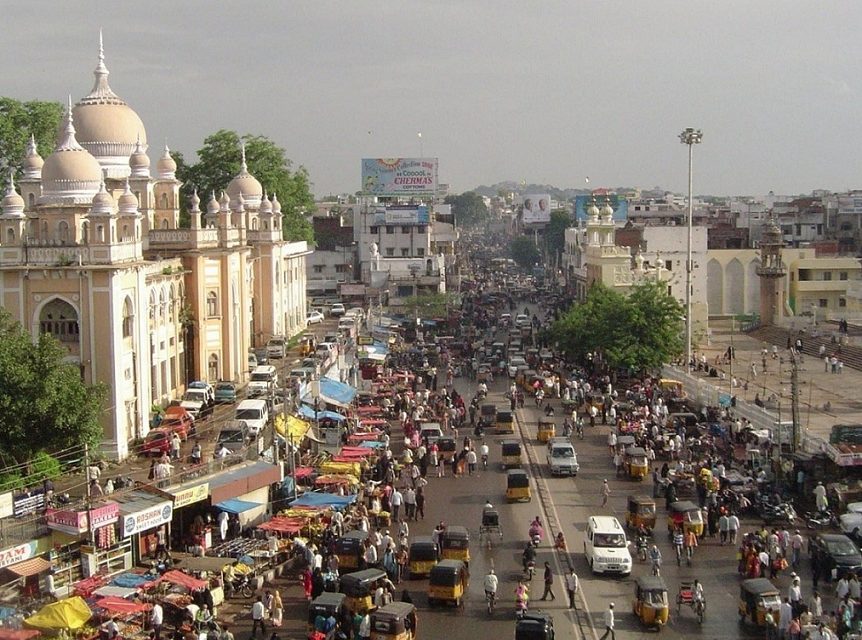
(536,529)
(528,556)
(522,596)
(484,451)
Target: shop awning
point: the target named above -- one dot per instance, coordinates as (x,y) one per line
(116,592)
(18,634)
(183,579)
(72,613)
(206,563)
(236,506)
(30,567)
(308,412)
(242,479)
(121,606)
(281,524)
(333,392)
(314,499)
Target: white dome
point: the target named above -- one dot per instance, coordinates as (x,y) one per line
(166,167)
(128,202)
(13,203)
(139,162)
(246,184)
(33,162)
(71,171)
(103,202)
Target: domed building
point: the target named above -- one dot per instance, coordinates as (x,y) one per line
(93,253)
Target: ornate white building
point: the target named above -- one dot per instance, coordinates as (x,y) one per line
(91,252)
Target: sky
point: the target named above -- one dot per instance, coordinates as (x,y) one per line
(544,91)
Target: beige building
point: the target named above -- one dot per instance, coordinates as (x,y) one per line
(92,253)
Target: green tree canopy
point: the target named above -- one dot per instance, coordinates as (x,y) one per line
(18,120)
(469,209)
(219,161)
(639,331)
(555,232)
(44,405)
(524,252)
(432,305)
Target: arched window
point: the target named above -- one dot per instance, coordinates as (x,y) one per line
(212,305)
(164,201)
(165,223)
(172,305)
(10,236)
(152,310)
(63,231)
(254,224)
(85,232)
(44,231)
(128,318)
(100,232)
(125,232)
(60,319)
(212,367)
(31,199)
(163,307)
(266,225)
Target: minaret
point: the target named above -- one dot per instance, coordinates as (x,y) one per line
(771,272)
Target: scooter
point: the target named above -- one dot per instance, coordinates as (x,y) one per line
(531,569)
(535,536)
(520,608)
(642,548)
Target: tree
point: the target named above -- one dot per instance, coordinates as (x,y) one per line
(469,209)
(44,405)
(432,305)
(639,331)
(555,233)
(524,252)
(18,120)
(219,161)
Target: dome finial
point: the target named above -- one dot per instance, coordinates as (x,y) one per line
(244,166)
(68,142)
(101,90)
(32,149)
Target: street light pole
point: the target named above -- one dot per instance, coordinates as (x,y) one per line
(689,137)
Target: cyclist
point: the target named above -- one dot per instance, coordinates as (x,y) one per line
(490,584)
(690,544)
(678,542)
(697,592)
(484,451)
(655,559)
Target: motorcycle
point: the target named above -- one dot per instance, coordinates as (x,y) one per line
(642,548)
(783,513)
(531,569)
(536,535)
(820,520)
(485,462)
(520,608)
(241,585)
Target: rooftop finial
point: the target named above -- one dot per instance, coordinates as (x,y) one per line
(244,167)
(101,92)
(68,142)
(101,47)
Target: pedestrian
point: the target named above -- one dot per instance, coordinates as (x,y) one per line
(609,623)
(395,501)
(471,460)
(364,631)
(420,503)
(257,613)
(157,618)
(606,491)
(794,594)
(572,585)
(176,445)
(276,611)
(732,527)
(549,583)
(723,522)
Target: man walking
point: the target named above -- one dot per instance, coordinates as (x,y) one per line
(572,585)
(395,501)
(732,527)
(606,491)
(549,583)
(257,613)
(609,623)
(157,618)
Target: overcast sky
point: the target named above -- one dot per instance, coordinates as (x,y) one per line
(548,92)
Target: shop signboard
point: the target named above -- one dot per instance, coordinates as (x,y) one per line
(72,522)
(104,515)
(18,553)
(346,289)
(191,495)
(147,519)
(28,502)
(399,176)
(364,340)
(407,215)
(536,208)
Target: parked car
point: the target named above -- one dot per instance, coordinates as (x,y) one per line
(206,386)
(233,436)
(157,442)
(314,317)
(178,419)
(275,347)
(337,310)
(356,312)
(252,362)
(197,403)
(225,391)
(836,553)
(262,356)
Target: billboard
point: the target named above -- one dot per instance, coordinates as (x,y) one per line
(536,209)
(620,206)
(407,214)
(399,176)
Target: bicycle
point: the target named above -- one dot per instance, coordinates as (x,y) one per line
(656,568)
(580,431)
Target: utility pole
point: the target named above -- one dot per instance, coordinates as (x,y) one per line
(794,401)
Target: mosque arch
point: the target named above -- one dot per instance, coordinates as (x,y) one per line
(715,287)
(734,276)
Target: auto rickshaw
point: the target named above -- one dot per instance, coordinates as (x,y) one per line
(349,549)
(447,449)
(395,621)
(635,462)
(448,582)
(326,604)
(490,525)
(488,412)
(306,346)
(650,603)
(535,625)
(624,442)
(529,377)
(505,421)
(517,486)
(422,555)
(687,515)
(641,512)
(455,542)
(511,453)
(756,597)
(546,430)
(358,588)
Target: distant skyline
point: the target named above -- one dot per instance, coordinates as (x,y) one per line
(548,92)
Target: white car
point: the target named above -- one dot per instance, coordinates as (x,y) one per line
(337,309)
(514,364)
(314,317)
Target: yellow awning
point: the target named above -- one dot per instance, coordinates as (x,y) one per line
(297,428)
(72,613)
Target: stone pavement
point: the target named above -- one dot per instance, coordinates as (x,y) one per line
(825,398)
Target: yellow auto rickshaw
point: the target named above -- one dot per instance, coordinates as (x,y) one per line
(358,589)
(307,345)
(529,378)
(421,556)
(448,582)
(349,548)
(517,486)
(641,512)
(635,462)
(505,421)
(650,603)
(546,430)
(325,605)
(395,621)
(511,451)
(455,542)
(686,515)
(756,597)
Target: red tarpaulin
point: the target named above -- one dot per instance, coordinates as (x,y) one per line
(351,450)
(371,422)
(369,410)
(283,524)
(18,634)
(363,436)
(86,587)
(121,606)
(183,579)
(304,472)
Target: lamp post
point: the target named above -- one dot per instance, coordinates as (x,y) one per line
(689,137)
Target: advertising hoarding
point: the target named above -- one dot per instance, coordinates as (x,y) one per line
(620,206)
(399,176)
(536,208)
(406,215)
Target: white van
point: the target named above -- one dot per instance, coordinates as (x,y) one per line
(606,548)
(262,379)
(254,413)
(275,347)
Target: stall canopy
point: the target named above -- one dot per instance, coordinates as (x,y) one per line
(333,392)
(18,634)
(291,427)
(130,580)
(116,592)
(30,567)
(313,499)
(282,524)
(121,606)
(236,506)
(183,580)
(308,412)
(71,613)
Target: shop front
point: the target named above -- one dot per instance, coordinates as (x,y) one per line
(141,515)
(22,567)
(191,530)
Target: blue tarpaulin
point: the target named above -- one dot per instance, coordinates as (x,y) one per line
(236,506)
(314,499)
(332,392)
(308,412)
(130,580)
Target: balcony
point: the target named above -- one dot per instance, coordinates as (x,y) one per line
(176,239)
